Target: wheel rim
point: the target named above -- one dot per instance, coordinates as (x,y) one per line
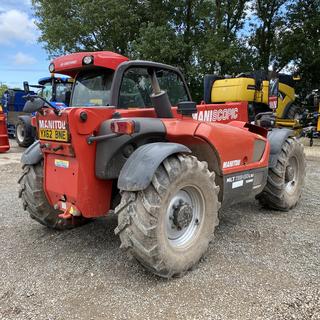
(291,175)
(184,216)
(20,133)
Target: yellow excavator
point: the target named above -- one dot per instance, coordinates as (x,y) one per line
(263,94)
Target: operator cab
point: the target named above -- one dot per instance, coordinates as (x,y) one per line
(104,79)
(93,87)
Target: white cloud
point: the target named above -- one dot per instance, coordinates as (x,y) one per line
(23,59)
(16,25)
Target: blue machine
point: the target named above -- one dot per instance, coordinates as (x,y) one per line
(12,103)
(56,90)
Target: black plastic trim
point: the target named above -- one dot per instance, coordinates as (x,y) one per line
(277,137)
(32,155)
(243,185)
(111,154)
(138,171)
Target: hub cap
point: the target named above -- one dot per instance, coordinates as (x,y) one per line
(291,175)
(184,216)
(20,132)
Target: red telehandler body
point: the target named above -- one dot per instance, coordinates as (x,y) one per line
(133,141)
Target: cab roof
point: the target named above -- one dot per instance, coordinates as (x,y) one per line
(71,64)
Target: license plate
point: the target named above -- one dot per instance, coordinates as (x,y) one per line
(53,134)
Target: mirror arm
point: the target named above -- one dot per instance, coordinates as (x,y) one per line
(32,97)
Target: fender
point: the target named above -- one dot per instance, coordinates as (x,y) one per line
(137,172)
(32,155)
(111,154)
(26,119)
(276,138)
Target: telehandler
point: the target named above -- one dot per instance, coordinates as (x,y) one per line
(129,142)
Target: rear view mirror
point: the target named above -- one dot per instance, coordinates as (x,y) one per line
(26,87)
(33,105)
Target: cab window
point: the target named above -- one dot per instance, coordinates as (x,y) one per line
(92,88)
(136,88)
(172,83)
(63,92)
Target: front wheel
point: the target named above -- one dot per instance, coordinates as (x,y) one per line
(168,226)
(286,178)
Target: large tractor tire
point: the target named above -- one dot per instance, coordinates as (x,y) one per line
(35,201)
(168,226)
(286,178)
(23,133)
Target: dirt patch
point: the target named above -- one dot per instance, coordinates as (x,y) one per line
(261,265)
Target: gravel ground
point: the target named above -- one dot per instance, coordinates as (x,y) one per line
(262,265)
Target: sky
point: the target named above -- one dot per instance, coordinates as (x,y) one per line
(22,57)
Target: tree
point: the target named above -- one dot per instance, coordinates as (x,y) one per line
(222,50)
(199,36)
(299,44)
(77,25)
(268,20)
(3,88)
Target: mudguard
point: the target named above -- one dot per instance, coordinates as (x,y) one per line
(26,119)
(137,172)
(276,138)
(32,155)
(110,157)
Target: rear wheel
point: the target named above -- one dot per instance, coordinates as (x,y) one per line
(23,134)
(167,227)
(286,178)
(35,201)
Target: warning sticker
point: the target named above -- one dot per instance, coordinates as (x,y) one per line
(237,184)
(61,163)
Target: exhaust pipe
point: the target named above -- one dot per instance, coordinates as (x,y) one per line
(160,99)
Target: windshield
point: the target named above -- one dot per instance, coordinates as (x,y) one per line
(92,88)
(46,92)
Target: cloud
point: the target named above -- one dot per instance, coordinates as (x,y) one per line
(23,59)
(16,25)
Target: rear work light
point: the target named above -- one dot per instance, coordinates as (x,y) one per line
(124,126)
(51,67)
(87,60)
